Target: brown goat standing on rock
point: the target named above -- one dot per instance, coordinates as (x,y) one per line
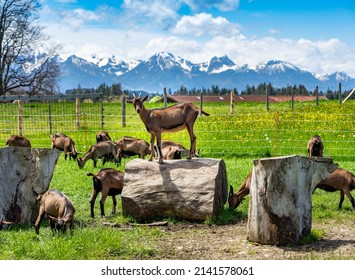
(109,182)
(235,199)
(315,147)
(171,119)
(60,211)
(340,180)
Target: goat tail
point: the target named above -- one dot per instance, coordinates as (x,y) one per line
(91,174)
(205,113)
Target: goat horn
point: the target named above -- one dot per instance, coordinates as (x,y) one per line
(134,95)
(140,94)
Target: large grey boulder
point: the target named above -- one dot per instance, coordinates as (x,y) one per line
(189,189)
(280,203)
(25,173)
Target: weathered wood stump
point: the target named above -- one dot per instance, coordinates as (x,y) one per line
(280,203)
(25,173)
(192,190)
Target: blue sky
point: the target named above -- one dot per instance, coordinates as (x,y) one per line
(314,35)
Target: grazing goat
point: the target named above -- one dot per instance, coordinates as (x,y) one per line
(60,211)
(99,150)
(340,180)
(64,143)
(102,136)
(130,146)
(18,141)
(234,200)
(109,182)
(171,119)
(315,147)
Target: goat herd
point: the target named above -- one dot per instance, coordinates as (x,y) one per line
(109,181)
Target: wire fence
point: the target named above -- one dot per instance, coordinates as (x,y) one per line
(250,132)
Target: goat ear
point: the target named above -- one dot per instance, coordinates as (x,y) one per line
(129,101)
(145,98)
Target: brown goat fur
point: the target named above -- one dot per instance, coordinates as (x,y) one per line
(171,119)
(340,180)
(235,199)
(58,208)
(131,146)
(315,147)
(18,141)
(99,150)
(180,149)
(64,143)
(109,182)
(102,136)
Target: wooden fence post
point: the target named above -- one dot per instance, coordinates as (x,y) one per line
(77,111)
(102,112)
(292,100)
(339,93)
(20,119)
(201,103)
(317,97)
(165,98)
(267,99)
(232,102)
(123,111)
(50,117)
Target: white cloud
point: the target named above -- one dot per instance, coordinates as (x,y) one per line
(150,12)
(76,18)
(201,24)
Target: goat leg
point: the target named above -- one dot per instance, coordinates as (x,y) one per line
(92,203)
(160,159)
(114,203)
(152,140)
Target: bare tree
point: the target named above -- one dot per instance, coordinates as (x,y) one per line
(28,63)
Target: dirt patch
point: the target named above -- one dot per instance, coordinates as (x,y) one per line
(204,242)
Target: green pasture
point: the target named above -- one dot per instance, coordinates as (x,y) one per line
(250,133)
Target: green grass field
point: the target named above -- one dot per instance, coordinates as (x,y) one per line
(250,133)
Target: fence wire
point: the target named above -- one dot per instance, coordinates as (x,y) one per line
(245,134)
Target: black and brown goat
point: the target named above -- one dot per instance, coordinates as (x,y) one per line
(170,119)
(340,180)
(315,147)
(64,143)
(130,146)
(58,208)
(18,141)
(235,199)
(109,182)
(102,136)
(99,150)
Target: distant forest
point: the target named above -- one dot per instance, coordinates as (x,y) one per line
(116,90)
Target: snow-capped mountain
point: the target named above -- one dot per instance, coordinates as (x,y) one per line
(166,70)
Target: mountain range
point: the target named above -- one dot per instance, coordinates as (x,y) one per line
(167,70)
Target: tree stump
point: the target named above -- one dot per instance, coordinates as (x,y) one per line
(189,189)
(280,203)
(25,173)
